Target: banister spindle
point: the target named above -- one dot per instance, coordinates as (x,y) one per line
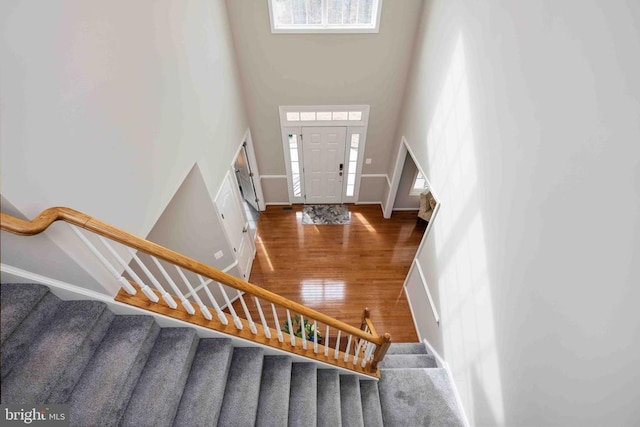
(252,326)
(368,353)
(335,355)
(185,302)
(315,336)
(234,315)
(292,336)
(145,289)
(203,309)
(304,333)
(275,318)
(356,353)
(326,342)
(165,295)
(265,326)
(128,287)
(346,352)
(216,306)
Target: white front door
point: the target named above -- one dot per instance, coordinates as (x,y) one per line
(323,149)
(236,226)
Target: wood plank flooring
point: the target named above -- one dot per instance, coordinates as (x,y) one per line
(341,269)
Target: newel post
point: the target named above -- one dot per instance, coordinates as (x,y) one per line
(381,350)
(365,315)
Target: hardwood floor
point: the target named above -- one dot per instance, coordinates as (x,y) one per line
(341,269)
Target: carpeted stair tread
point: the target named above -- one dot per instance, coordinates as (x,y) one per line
(407,348)
(157,394)
(27,331)
(240,401)
(408,361)
(418,397)
(303,398)
(103,391)
(273,403)
(350,401)
(371,412)
(202,397)
(329,412)
(16,302)
(55,361)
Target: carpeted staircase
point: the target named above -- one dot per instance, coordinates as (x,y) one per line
(126,370)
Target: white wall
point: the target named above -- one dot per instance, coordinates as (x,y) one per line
(106,106)
(322,69)
(524,115)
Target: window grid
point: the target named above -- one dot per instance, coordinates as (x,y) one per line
(353,164)
(295,165)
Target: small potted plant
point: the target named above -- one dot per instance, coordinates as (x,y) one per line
(297,325)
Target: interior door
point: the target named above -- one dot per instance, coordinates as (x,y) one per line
(245,179)
(323,154)
(236,226)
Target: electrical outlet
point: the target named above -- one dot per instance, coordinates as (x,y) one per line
(218,254)
(368,161)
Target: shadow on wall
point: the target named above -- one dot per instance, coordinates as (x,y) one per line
(458,245)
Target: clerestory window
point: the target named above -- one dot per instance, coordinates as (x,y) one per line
(325,16)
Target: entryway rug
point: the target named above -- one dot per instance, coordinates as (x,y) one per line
(325,214)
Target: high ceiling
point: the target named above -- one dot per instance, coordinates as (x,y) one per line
(323,69)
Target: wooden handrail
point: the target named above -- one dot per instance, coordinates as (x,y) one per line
(47,217)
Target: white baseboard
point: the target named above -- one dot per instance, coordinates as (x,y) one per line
(69,292)
(442,364)
(277,204)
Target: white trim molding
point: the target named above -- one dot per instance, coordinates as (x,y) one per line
(436,316)
(355,118)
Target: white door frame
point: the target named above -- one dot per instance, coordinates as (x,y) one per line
(247,142)
(292,125)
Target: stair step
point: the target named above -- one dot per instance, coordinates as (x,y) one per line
(372,414)
(350,401)
(53,364)
(243,388)
(157,394)
(408,361)
(103,391)
(202,397)
(303,396)
(411,397)
(329,412)
(273,404)
(407,348)
(27,331)
(16,302)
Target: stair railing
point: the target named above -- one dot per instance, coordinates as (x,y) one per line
(284,324)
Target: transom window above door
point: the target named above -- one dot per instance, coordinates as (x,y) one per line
(325,16)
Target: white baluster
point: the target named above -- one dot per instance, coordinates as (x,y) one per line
(234,315)
(128,287)
(203,309)
(335,355)
(185,302)
(357,351)
(368,353)
(275,318)
(165,295)
(292,337)
(145,289)
(216,307)
(252,326)
(304,334)
(265,327)
(315,336)
(346,353)
(326,342)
